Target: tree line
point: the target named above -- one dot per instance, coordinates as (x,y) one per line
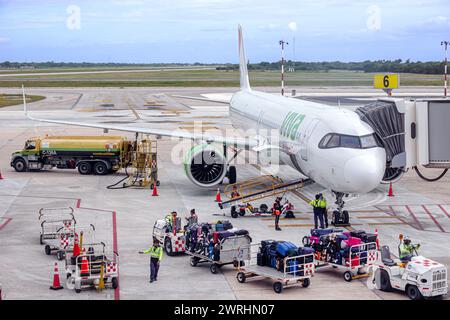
(428,67)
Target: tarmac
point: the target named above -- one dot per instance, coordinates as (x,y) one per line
(124,218)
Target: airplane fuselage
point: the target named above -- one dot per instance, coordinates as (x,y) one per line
(302,126)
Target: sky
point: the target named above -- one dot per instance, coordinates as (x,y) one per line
(155,31)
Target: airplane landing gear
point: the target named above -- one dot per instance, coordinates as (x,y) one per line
(340,216)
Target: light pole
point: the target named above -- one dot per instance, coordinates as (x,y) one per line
(445,44)
(282,43)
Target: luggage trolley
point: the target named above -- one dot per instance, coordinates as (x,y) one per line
(359,257)
(56,229)
(233,250)
(86,270)
(296,270)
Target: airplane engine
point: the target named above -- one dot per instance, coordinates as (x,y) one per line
(205,165)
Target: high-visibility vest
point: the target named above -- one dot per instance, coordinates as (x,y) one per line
(322,203)
(315,203)
(155,252)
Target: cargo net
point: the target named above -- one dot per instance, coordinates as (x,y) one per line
(388,124)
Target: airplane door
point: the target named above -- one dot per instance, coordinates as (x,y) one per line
(306,137)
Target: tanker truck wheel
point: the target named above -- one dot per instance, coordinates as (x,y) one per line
(20,165)
(84,167)
(100,168)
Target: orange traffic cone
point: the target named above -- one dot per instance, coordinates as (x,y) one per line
(84,270)
(76,247)
(391,191)
(155,191)
(56,285)
(218,199)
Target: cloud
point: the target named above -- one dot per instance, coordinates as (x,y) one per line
(293,26)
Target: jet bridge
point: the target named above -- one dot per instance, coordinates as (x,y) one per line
(413,132)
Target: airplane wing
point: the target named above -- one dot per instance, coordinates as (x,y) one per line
(247,143)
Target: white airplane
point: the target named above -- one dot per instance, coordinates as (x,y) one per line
(330,145)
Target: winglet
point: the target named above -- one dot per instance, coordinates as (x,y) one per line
(24,101)
(245,84)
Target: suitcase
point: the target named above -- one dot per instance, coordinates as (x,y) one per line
(215,237)
(301,251)
(219,227)
(339,238)
(358,233)
(227,225)
(265,243)
(363,257)
(369,237)
(354,261)
(284,247)
(320,232)
(292,268)
(260,259)
(241,232)
(314,240)
(352,241)
(225,234)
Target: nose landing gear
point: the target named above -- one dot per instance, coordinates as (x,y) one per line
(340,216)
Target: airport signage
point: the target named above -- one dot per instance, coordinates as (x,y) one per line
(386,81)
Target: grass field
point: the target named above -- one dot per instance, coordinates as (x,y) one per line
(206,78)
(13,99)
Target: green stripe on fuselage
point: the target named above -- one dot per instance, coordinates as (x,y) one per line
(291,125)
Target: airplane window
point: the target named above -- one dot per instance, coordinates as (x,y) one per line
(350,142)
(369,141)
(334,141)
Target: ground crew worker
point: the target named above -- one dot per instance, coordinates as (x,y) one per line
(234,194)
(193,218)
(317,212)
(277,213)
(169,219)
(323,206)
(156,253)
(407,250)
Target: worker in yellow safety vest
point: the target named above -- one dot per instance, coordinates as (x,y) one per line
(407,249)
(156,253)
(323,206)
(317,210)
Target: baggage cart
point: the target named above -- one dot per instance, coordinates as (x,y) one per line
(57,225)
(356,263)
(89,267)
(233,250)
(289,276)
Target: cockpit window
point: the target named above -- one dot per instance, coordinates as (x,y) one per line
(335,140)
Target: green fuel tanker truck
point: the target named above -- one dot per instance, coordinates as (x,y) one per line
(89,154)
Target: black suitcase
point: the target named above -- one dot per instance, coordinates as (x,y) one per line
(358,234)
(369,237)
(265,243)
(260,259)
(241,232)
(227,225)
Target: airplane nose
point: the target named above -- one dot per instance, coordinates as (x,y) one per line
(364,173)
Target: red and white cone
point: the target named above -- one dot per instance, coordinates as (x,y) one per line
(155,191)
(56,284)
(218,199)
(391,191)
